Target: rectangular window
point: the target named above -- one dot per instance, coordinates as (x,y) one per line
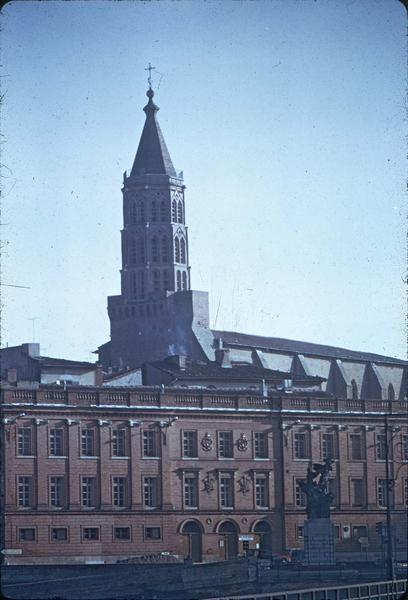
(191,490)
(90,533)
(119,442)
(150,492)
(152,533)
(57,491)
(300,445)
(406,492)
(59,534)
(225,444)
(88,442)
(119,489)
(226,490)
(122,533)
(300,496)
(404,447)
(25,491)
(382,492)
(359,531)
(336,532)
(88,492)
(299,532)
(25,441)
(56,442)
(26,534)
(190,444)
(356,447)
(150,443)
(261,491)
(357,492)
(328,446)
(381,447)
(260,444)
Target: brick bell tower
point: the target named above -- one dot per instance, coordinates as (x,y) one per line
(157,314)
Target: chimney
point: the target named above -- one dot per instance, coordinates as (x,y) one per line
(11,375)
(222,357)
(180,360)
(32,349)
(98,375)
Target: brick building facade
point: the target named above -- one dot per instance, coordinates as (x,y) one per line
(103,475)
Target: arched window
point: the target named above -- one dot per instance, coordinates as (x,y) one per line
(156,281)
(141,253)
(164,249)
(133,213)
(154,211)
(166,285)
(177,250)
(174,211)
(141,285)
(178,281)
(354,390)
(182,251)
(133,251)
(184,283)
(142,215)
(155,250)
(163,211)
(133,289)
(180,211)
(391,393)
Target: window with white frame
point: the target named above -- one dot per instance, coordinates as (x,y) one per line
(88,492)
(150,492)
(119,491)
(300,445)
(190,444)
(57,491)
(88,442)
(25,441)
(260,444)
(382,492)
(119,442)
(328,445)
(150,443)
(261,491)
(226,490)
(381,446)
(191,490)
(25,491)
(56,446)
(225,444)
(300,496)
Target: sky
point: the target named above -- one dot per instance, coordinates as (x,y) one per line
(288,121)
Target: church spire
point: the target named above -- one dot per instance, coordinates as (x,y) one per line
(152,156)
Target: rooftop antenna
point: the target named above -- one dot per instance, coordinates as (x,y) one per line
(149,79)
(33,319)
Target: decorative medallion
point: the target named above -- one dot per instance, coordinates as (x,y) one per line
(242,443)
(208,483)
(206,442)
(243,484)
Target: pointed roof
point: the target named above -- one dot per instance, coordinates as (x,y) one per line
(152,155)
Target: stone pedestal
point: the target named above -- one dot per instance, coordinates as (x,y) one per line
(319,542)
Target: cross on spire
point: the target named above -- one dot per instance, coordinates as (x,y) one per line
(149,79)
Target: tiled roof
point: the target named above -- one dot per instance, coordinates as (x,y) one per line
(48,361)
(295,346)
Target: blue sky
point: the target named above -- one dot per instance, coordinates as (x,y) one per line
(288,120)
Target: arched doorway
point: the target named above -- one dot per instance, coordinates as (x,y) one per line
(263,529)
(229,538)
(191,532)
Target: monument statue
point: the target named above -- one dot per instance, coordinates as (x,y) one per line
(316,489)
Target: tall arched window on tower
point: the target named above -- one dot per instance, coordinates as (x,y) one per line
(174,211)
(164,249)
(182,251)
(154,211)
(163,211)
(133,287)
(177,250)
(133,251)
(184,282)
(155,250)
(391,393)
(178,281)
(133,213)
(166,285)
(141,253)
(180,211)
(141,285)
(354,389)
(142,214)
(156,281)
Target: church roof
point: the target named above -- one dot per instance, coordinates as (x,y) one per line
(298,347)
(152,156)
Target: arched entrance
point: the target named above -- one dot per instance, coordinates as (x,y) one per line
(229,540)
(263,529)
(191,532)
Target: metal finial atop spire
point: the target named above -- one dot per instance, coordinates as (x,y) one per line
(149,79)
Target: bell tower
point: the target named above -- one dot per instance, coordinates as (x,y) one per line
(156,314)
